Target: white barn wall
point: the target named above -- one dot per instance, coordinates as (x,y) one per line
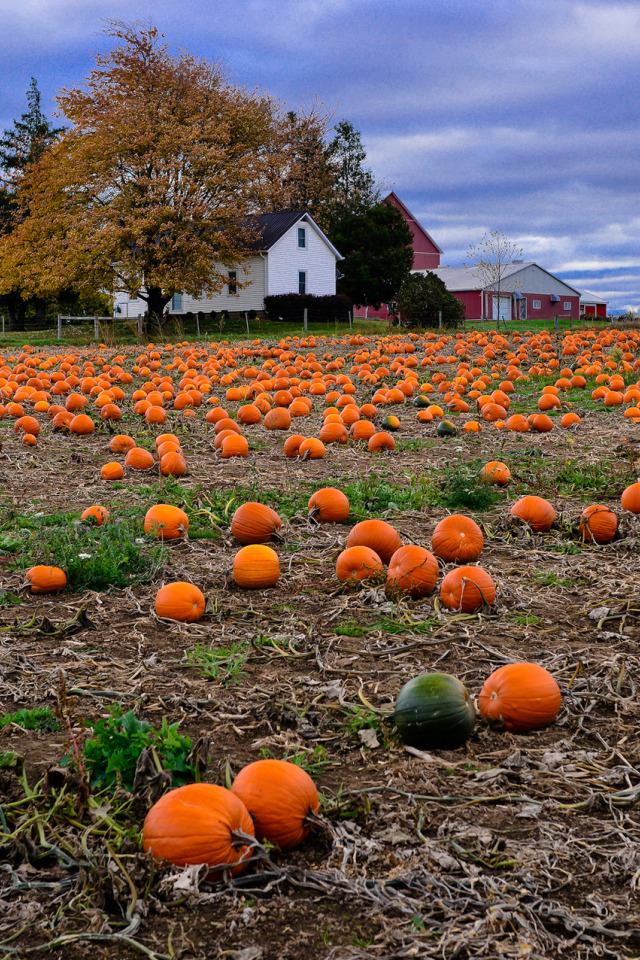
(286,258)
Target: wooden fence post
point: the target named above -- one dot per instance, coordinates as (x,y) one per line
(96,328)
(246,320)
(304,319)
(139,324)
(59,326)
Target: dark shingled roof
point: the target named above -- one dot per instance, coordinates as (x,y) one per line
(269,227)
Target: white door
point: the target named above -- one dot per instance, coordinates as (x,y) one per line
(503,310)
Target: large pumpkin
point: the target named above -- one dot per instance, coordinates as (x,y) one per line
(255,523)
(457,539)
(524,696)
(434,712)
(413,570)
(537,512)
(467,589)
(378,535)
(166,522)
(279,796)
(199,823)
(180,601)
(256,567)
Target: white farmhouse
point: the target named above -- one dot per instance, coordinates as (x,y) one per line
(290,254)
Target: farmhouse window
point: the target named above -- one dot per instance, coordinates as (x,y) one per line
(302,237)
(536,304)
(302,281)
(176,302)
(233,283)
(566,305)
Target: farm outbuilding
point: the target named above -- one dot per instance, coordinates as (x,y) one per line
(592,306)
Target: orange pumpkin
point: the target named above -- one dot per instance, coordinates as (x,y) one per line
(630,499)
(166,522)
(380,442)
(180,601)
(138,459)
(121,443)
(467,589)
(457,539)
(537,512)
(413,570)
(112,471)
(280,796)
(255,523)
(97,514)
(598,524)
(524,696)
(234,446)
(292,445)
(81,424)
(256,567)
(173,464)
(359,563)
(329,505)
(311,449)
(43,579)
(378,535)
(200,823)
(496,472)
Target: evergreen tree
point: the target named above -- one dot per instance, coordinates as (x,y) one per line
(354,186)
(21,146)
(421,300)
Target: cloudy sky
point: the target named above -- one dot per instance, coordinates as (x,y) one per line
(521,116)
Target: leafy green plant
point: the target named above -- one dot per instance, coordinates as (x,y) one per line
(111,755)
(222,664)
(354,628)
(462,488)
(94,558)
(313,761)
(36,718)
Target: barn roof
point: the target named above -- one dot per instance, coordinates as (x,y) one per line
(467,278)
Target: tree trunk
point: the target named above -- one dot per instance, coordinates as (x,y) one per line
(156,302)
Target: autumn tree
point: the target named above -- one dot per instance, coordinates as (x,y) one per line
(301,176)
(491,260)
(354,187)
(21,146)
(148,188)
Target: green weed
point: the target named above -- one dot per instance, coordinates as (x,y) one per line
(111,755)
(547,578)
(313,761)
(36,718)
(462,488)
(223,664)
(117,554)
(526,619)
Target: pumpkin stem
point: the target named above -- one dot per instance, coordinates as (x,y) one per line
(317,820)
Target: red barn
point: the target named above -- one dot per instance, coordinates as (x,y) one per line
(592,306)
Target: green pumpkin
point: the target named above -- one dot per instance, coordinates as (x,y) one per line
(446,429)
(421,400)
(434,712)
(390,422)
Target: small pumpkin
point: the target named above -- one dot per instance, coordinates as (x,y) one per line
(138,459)
(166,522)
(537,512)
(457,539)
(112,471)
(255,523)
(359,563)
(598,524)
(121,443)
(434,712)
(467,589)
(96,514)
(329,505)
(81,424)
(180,601)
(256,567)
(524,696)
(380,442)
(200,823)
(376,534)
(43,579)
(281,797)
(496,472)
(446,429)
(390,422)
(413,570)
(311,449)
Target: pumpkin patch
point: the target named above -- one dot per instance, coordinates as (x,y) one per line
(258,586)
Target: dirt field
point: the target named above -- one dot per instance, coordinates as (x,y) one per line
(513,846)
